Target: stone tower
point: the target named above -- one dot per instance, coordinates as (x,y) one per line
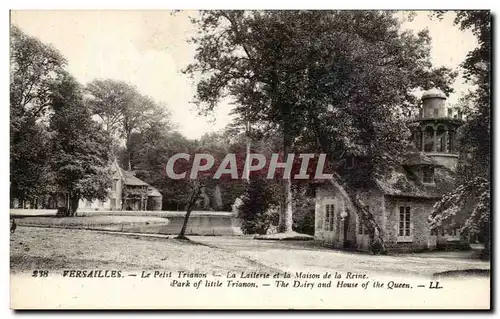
(435,132)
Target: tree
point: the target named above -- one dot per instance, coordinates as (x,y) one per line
(30,151)
(196,189)
(338,81)
(253,210)
(217,198)
(80,153)
(34,66)
(472,195)
(125,112)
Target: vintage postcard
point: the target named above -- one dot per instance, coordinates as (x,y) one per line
(251,159)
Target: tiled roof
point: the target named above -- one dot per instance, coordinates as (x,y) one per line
(402,182)
(131,180)
(153,192)
(419,158)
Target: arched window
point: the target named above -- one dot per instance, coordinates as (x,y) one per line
(429,139)
(451,141)
(441,139)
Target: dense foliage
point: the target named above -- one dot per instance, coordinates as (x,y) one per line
(55,147)
(34,67)
(80,153)
(254,213)
(337,82)
(469,204)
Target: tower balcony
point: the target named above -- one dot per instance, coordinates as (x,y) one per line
(450,114)
(436,138)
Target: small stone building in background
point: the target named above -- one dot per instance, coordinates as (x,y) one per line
(127,193)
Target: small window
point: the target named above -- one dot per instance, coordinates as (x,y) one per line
(436,112)
(451,141)
(428,175)
(404,221)
(453,232)
(349,162)
(441,139)
(429,139)
(329,217)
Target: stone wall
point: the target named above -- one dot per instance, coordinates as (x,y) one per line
(385,210)
(445,159)
(434,107)
(200,222)
(420,238)
(328,195)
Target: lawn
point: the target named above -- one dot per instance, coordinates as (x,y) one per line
(37,248)
(54,249)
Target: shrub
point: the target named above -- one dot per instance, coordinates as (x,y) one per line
(303,216)
(253,210)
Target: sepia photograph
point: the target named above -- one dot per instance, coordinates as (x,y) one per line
(250,159)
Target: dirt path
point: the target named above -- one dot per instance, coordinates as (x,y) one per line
(298,256)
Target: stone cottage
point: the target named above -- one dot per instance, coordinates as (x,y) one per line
(127,193)
(402,200)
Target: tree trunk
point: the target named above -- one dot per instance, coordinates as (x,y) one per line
(217,198)
(128,147)
(247,162)
(192,200)
(363,213)
(353,201)
(286,214)
(73,205)
(485,254)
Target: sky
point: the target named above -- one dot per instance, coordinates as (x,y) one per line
(149,49)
